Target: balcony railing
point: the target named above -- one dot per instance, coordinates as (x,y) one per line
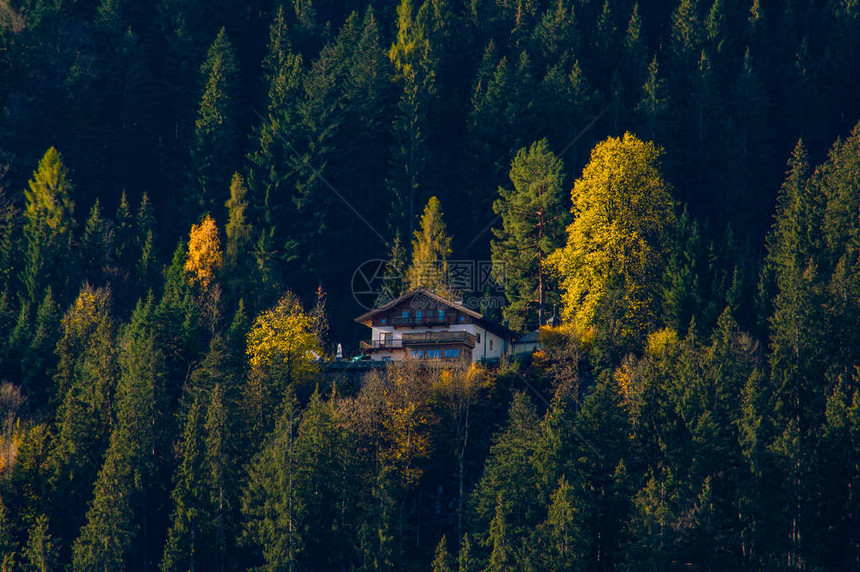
(421,339)
(381,344)
(425,338)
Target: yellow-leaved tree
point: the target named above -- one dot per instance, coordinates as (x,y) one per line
(611,267)
(204,252)
(282,342)
(282,349)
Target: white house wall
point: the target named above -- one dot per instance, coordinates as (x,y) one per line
(481,351)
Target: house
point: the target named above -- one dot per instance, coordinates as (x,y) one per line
(422,325)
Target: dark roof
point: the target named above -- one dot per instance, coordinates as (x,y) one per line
(529,338)
(367,317)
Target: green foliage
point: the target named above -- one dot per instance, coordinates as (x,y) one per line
(188,543)
(126,490)
(270,504)
(214,150)
(239,233)
(48,225)
(40,554)
(664,437)
(533,217)
(441,560)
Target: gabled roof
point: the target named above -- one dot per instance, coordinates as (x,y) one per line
(367,317)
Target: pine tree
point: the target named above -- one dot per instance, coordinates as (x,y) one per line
(123,241)
(534,216)
(10,240)
(8,545)
(220,450)
(323,484)
(84,388)
(396,277)
(465,560)
(178,321)
(38,358)
(687,35)
(560,547)
(145,223)
(270,175)
(501,541)
(635,50)
(510,478)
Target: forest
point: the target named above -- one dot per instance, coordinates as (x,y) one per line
(670,192)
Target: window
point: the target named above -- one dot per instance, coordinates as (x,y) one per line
(479,338)
(418,314)
(491,344)
(441,314)
(417,354)
(405,313)
(452,353)
(383,321)
(386,358)
(434,354)
(462,318)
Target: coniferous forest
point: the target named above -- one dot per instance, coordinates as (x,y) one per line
(671,191)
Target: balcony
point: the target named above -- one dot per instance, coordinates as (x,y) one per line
(433,338)
(422,339)
(381,344)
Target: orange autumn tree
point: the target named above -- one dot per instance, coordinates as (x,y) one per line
(204,258)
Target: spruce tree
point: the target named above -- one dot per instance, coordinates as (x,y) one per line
(271,528)
(214,150)
(442,560)
(94,247)
(85,392)
(122,517)
(189,538)
(40,554)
